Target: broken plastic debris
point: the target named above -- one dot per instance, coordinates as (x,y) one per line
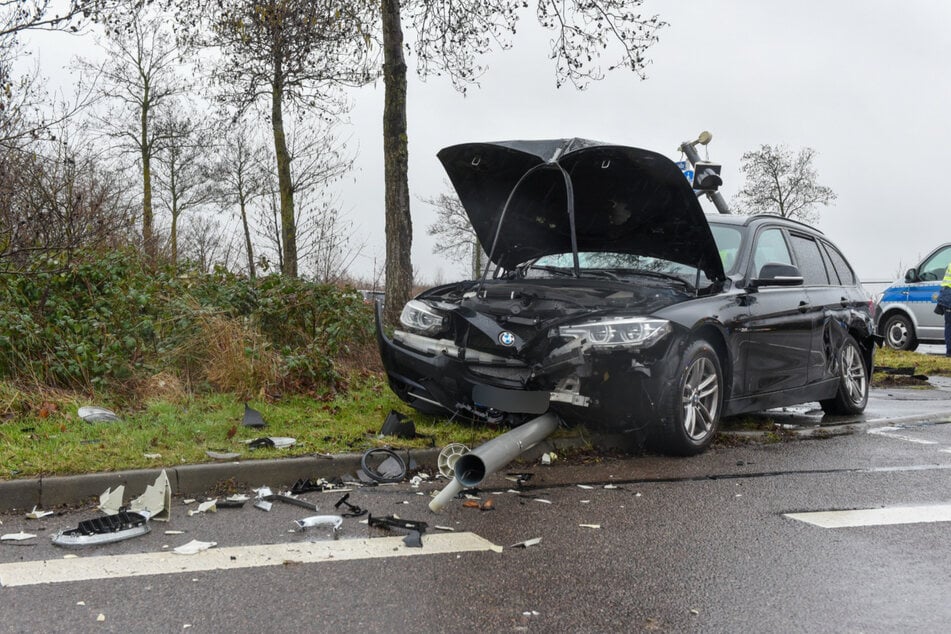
(194,547)
(416,529)
(264,505)
(174,532)
(392,469)
(35,515)
(589,525)
(97,414)
(271,442)
(446,461)
(611,486)
(111,500)
(290,499)
(16,537)
(233,501)
(444,528)
(104,530)
(352,509)
(101,617)
(156,502)
(543,500)
(252,418)
(152,456)
(528,542)
(204,507)
(548,458)
(334,521)
(585,486)
(222,455)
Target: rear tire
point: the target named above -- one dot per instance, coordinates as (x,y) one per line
(691,416)
(900,333)
(852,394)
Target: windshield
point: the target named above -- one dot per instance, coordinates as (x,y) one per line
(728,240)
(608,265)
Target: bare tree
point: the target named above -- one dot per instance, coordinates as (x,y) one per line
(457,239)
(209,243)
(449,38)
(141,76)
(781,184)
(240,175)
(289,53)
(184,182)
(58,202)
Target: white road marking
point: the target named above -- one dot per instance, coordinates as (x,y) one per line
(876,517)
(887,432)
(232,558)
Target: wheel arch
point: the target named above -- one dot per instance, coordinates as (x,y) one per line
(714,335)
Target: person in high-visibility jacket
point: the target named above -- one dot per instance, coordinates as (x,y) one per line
(944,300)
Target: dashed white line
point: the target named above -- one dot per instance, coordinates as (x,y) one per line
(876,517)
(232,558)
(888,432)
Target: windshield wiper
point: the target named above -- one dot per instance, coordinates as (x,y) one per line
(557,270)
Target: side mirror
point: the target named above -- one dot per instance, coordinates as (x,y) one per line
(911,276)
(775,274)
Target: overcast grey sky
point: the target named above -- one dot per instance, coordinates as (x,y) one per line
(864,83)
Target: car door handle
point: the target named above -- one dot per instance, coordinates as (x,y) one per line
(803,306)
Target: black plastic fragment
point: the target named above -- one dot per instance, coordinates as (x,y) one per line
(252,418)
(310,506)
(392,469)
(261,443)
(398,425)
(352,509)
(416,529)
(123,520)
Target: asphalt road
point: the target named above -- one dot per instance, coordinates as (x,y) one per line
(682,545)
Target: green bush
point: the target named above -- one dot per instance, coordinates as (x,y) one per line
(108,320)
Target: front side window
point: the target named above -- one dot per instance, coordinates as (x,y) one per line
(770,249)
(934,267)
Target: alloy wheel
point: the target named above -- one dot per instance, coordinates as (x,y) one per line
(701,398)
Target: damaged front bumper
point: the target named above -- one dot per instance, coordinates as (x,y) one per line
(608,386)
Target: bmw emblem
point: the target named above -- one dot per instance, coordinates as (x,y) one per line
(506,338)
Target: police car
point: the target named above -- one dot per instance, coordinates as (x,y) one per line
(905,313)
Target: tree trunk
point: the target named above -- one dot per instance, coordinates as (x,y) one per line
(148,234)
(399,224)
(288,227)
(247,235)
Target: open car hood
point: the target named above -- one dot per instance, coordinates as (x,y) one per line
(625,199)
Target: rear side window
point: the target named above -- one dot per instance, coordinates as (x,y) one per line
(810,261)
(842,268)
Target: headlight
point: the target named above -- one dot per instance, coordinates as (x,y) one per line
(631,332)
(420,317)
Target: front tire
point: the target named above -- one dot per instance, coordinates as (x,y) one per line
(852,394)
(692,416)
(900,333)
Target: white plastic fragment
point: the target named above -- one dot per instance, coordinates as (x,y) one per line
(16,537)
(611,486)
(174,532)
(222,455)
(35,515)
(152,456)
(237,497)
(543,500)
(80,602)
(156,502)
(96,414)
(279,442)
(264,505)
(589,525)
(585,486)
(550,457)
(188,501)
(204,507)
(334,521)
(101,617)
(111,500)
(528,542)
(70,556)
(444,528)
(194,547)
